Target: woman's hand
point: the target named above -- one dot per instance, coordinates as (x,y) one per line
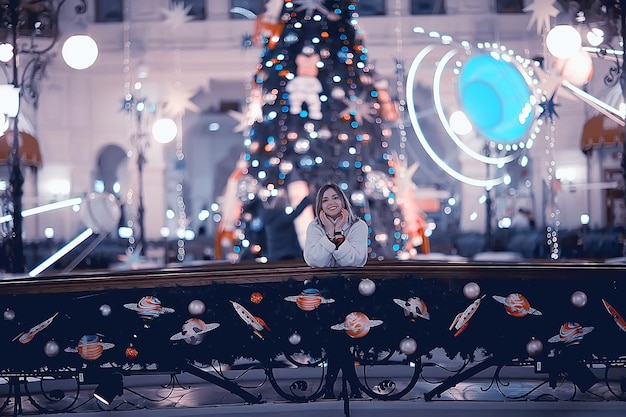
(329,226)
(342,220)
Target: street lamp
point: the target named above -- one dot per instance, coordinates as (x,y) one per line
(163,131)
(29,29)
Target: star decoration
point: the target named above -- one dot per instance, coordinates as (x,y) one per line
(359,108)
(242,120)
(178,101)
(246,41)
(548,108)
(177,15)
(542,11)
(309,6)
(254,112)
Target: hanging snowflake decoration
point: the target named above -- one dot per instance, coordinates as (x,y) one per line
(177,16)
(548,108)
(178,101)
(542,11)
(359,108)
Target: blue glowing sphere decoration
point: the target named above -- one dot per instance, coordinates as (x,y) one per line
(496,98)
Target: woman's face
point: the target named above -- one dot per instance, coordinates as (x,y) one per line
(332,203)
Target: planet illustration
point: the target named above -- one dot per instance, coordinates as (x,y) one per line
(149,307)
(517,305)
(357,324)
(413,307)
(193,331)
(26,337)
(309,299)
(90,347)
(571,333)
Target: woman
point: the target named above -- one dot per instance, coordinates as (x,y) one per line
(336,237)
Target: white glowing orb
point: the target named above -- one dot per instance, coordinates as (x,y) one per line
(6,52)
(80,51)
(164,130)
(460,123)
(595,37)
(563,41)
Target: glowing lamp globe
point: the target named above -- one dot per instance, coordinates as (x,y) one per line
(164,130)
(80,51)
(9,100)
(496,98)
(6,52)
(563,41)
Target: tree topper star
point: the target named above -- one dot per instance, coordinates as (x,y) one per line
(309,6)
(542,11)
(177,16)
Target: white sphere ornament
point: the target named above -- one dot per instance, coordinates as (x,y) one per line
(80,51)
(9,314)
(534,347)
(164,130)
(51,348)
(471,290)
(563,41)
(367,287)
(196,307)
(579,299)
(295,339)
(408,345)
(105,310)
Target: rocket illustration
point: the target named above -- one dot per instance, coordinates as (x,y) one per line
(461,320)
(256,323)
(619,320)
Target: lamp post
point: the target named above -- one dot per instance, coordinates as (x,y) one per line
(140,142)
(31,30)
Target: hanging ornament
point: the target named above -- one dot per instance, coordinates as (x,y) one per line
(9,314)
(196,308)
(579,299)
(295,338)
(105,310)
(51,348)
(256,297)
(471,290)
(534,347)
(131,352)
(408,345)
(367,287)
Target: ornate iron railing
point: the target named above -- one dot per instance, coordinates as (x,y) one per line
(377,327)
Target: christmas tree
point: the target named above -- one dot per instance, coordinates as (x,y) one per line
(317,112)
